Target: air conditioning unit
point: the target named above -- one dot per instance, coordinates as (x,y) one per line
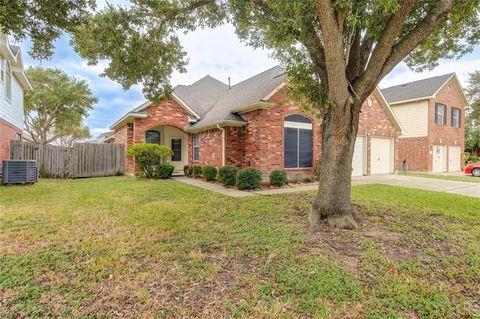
(20,171)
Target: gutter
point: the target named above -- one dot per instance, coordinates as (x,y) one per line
(223,143)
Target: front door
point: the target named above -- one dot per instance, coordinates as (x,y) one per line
(176,145)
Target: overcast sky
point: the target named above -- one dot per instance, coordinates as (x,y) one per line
(217,52)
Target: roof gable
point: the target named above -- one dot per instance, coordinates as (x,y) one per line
(416,90)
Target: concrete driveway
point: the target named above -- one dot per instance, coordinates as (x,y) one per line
(439,185)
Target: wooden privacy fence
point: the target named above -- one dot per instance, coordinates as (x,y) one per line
(81,160)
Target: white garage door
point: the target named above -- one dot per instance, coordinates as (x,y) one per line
(439,161)
(454,158)
(358,162)
(381,159)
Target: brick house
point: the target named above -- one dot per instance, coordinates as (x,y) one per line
(432,113)
(13,84)
(252,124)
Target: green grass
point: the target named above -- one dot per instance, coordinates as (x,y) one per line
(121,247)
(458,178)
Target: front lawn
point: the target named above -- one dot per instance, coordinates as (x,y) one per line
(125,248)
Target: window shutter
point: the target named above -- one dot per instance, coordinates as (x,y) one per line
(459,118)
(452,110)
(445,115)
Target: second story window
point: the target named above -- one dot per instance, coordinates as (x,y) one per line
(8,82)
(196,147)
(456,115)
(440,114)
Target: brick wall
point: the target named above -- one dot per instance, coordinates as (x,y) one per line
(446,134)
(416,151)
(264,135)
(8,132)
(124,135)
(374,122)
(166,112)
(210,151)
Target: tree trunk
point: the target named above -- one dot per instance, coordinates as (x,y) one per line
(339,130)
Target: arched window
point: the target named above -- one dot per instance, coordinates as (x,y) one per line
(8,81)
(297,141)
(152,137)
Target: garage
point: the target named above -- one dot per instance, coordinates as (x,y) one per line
(381,159)
(439,159)
(358,162)
(454,158)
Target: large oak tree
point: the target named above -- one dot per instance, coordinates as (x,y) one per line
(335,53)
(56,108)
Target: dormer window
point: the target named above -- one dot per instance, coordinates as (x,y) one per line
(8,81)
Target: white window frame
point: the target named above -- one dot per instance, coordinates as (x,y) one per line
(456,117)
(303,126)
(196,145)
(442,108)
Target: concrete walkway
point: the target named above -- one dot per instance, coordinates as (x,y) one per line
(233,192)
(439,185)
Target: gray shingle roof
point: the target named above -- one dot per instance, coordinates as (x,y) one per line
(415,90)
(244,93)
(201,95)
(214,101)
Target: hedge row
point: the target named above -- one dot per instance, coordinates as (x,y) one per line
(247,178)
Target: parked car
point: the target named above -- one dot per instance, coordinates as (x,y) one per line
(473,169)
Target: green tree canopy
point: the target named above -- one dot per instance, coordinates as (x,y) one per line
(57,105)
(335,53)
(472,125)
(42,21)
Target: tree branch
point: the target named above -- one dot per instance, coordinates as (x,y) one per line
(378,66)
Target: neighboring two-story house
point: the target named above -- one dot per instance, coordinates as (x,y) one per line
(252,124)
(432,113)
(13,84)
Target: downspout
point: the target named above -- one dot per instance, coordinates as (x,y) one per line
(223,143)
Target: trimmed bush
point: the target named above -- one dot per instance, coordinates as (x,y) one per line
(187,170)
(470,159)
(228,175)
(196,171)
(164,170)
(278,178)
(149,156)
(308,179)
(209,172)
(249,178)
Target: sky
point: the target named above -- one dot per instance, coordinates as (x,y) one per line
(217,52)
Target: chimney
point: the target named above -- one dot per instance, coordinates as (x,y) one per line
(229,86)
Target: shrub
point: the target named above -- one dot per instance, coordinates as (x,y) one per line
(278,178)
(164,170)
(187,170)
(149,156)
(228,175)
(196,171)
(209,172)
(249,178)
(308,179)
(470,159)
